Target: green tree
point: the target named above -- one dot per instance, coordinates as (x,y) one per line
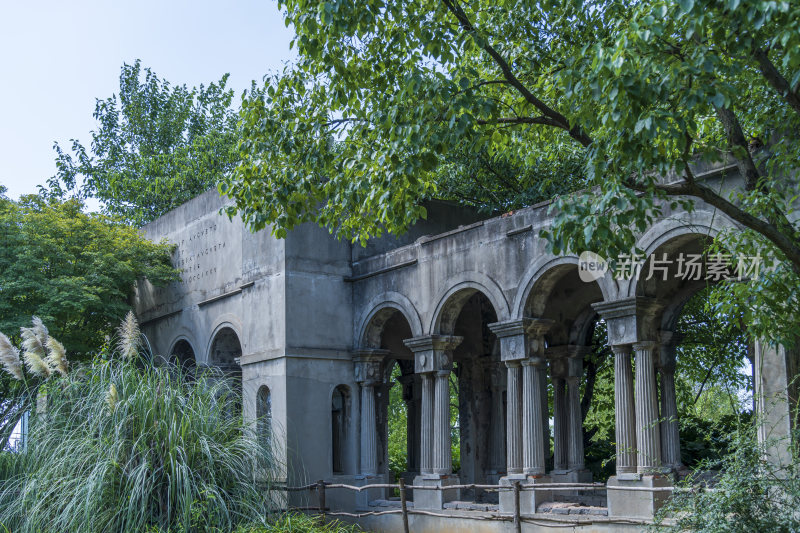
(157,146)
(73,270)
(384,93)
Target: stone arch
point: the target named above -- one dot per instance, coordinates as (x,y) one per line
(540,268)
(264,412)
(179,353)
(460,289)
(225,348)
(341,427)
(555,291)
(225,321)
(378,311)
(699,223)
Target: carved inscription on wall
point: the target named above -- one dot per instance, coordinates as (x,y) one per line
(198,255)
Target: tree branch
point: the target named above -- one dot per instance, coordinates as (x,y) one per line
(733,131)
(690,187)
(776,79)
(520,120)
(558,120)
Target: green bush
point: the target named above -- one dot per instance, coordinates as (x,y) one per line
(748,493)
(126,446)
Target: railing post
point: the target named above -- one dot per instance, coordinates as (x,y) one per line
(321,497)
(517,518)
(403,504)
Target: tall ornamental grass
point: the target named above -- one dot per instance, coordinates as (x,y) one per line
(127,446)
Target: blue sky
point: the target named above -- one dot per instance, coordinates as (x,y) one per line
(56,58)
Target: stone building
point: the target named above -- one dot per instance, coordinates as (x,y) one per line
(314,327)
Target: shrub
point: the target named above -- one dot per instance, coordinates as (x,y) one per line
(748,494)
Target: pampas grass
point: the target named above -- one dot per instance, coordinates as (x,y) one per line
(168,455)
(129,337)
(33,344)
(56,356)
(9,357)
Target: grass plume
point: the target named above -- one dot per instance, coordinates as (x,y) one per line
(9,357)
(129,337)
(56,356)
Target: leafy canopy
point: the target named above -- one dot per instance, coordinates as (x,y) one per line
(156,147)
(386,96)
(74,271)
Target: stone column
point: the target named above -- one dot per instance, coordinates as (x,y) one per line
(442,454)
(498,439)
(426,433)
(369,436)
(648,437)
(624,410)
(368,375)
(560,422)
(775,399)
(670,437)
(433,358)
(407,382)
(533,438)
(575,457)
(514,418)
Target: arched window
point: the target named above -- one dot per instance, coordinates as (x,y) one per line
(264,412)
(339,418)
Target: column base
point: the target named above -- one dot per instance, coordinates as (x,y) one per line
(529,500)
(435,499)
(408,478)
(636,503)
(571,476)
(363,497)
(494,477)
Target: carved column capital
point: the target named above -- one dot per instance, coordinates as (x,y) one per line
(432,352)
(514,340)
(368,365)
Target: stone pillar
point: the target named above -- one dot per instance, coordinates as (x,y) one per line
(533,438)
(638,433)
(624,409)
(670,436)
(407,382)
(497,442)
(648,437)
(368,374)
(442,445)
(369,437)
(426,434)
(521,340)
(514,418)
(560,423)
(575,458)
(776,398)
(433,358)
